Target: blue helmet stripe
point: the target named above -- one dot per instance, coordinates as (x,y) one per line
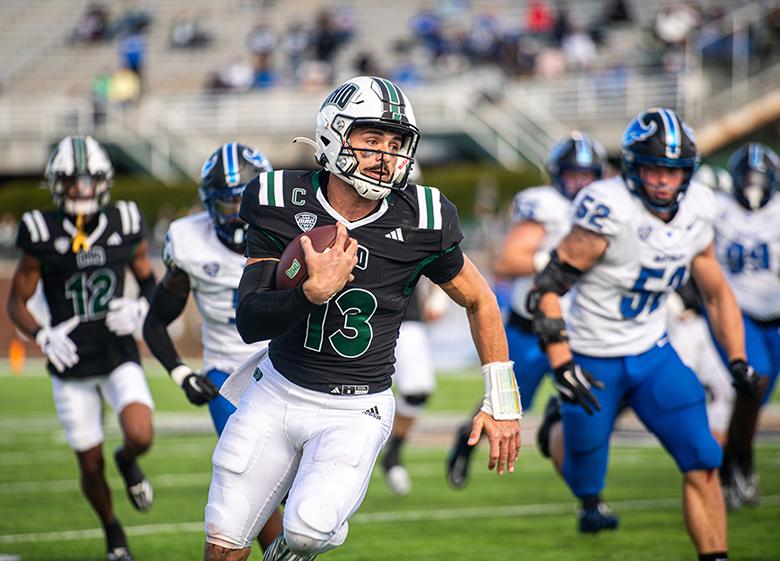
(583,151)
(756,156)
(230,163)
(673,136)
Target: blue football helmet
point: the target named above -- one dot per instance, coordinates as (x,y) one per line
(223,178)
(658,137)
(576,152)
(754,168)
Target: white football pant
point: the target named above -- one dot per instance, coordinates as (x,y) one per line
(79,405)
(320,447)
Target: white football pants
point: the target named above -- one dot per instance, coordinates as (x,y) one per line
(320,447)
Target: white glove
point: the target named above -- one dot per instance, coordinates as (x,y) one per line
(125,315)
(57,346)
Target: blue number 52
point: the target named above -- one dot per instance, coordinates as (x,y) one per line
(597,212)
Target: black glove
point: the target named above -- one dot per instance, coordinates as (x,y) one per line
(199,389)
(746,381)
(574,382)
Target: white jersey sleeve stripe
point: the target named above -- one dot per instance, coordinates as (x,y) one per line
(436,208)
(42,228)
(135,217)
(262,193)
(279,188)
(32,227)
(124,215)
(422,207)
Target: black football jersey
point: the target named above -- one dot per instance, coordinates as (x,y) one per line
(84,283)
(347,344)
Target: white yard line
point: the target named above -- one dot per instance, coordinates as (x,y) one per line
(374,518)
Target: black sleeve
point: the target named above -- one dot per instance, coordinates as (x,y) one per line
(450,229)
(264,313)
(262,243)
(445,265)
(164,307)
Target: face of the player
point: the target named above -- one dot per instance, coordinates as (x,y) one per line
(573,180)
(227,209)
(376,152)
(661,183)
(81,189)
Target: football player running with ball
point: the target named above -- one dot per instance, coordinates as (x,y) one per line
(747,241)
(318,409)
(204,253)
(635,239)
(80,252)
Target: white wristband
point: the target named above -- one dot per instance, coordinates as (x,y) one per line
(502,398)
(540,260)
(179,373)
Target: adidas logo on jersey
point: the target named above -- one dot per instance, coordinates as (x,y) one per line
(114,240)
(396,235)
(373,412)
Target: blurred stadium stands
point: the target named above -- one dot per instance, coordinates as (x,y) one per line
(505,109)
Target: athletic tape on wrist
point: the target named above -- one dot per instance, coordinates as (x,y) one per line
(540,260)
(179,373)
(502,398)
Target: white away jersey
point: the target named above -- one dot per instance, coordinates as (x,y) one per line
(617,307)
(552,210)
(748,248)
(192,246)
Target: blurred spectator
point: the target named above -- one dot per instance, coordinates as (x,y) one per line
(93,26)
(562,27)
(134,20)
(674,23)
(426,26)
(188,33)
(365,65)
(326,41)
(124,88)
(264,75)
(579,50)
(261,40)
(550,63)
(132,53)
(344,22)
(100,88)
(295,46)
(236,76)
(538,17)
(616,11)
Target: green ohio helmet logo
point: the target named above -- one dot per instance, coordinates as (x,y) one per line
(293,270)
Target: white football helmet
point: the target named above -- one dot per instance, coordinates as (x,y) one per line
(360,102)
(79,160)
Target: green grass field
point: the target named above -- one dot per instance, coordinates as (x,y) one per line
(526,516)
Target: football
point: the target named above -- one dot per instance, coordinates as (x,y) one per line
(291,269)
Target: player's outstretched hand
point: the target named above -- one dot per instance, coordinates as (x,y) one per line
(745,380)
(125,315)
(56,344)
(330,270)
(574,383)
(504,439)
